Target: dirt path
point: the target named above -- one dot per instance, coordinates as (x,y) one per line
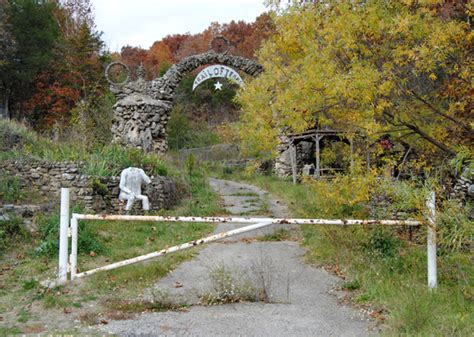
(298,302)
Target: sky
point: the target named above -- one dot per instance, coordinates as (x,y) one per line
(139,23)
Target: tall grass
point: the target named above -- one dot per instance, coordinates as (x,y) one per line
(98,160)
(10,189)
(386,267)
(11,230)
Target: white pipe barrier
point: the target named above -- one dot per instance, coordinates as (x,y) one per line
(172,249)
(256,224)
(63,235)
(431,241)
(74,241)
(334,222)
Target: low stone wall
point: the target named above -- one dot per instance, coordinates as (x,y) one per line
(26,212)
(97,194)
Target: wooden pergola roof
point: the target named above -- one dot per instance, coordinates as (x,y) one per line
(316,135)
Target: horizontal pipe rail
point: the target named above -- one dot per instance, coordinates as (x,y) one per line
(173,249)
(336,222)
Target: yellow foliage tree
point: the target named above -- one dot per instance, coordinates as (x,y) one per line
(370,66)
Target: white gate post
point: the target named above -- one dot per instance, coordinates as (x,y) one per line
(73,256)
(63,235)
(431,241)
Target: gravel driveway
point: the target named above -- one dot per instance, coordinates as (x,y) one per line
(298,300)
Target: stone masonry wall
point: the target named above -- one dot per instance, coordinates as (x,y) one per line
(140,122)
(97,194)
(143,108)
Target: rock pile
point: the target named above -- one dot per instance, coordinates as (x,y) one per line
(464,186)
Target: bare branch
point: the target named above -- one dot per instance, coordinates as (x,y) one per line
(438,112)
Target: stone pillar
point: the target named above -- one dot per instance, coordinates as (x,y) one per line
(140,122)
(283,167)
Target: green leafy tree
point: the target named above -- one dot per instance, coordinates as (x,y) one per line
(7,43)
(32,26)
(7,52)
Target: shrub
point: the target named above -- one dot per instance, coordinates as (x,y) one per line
(382,242)
(455,226)
(49,236)
(10,230)
(185,134)
(228,289)
(10,189)
(344,196)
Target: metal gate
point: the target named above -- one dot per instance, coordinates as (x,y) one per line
(69,229)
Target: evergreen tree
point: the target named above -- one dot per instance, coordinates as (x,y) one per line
(32,26)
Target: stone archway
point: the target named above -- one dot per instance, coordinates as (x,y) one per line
(143,108)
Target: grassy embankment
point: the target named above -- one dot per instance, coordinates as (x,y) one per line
(28,258)
(384,269)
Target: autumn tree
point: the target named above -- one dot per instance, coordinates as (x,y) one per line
(133,57)
(7,43)
(159,58)
(174,43)
(365,66)
(196,44)
(76,72)
(261,29)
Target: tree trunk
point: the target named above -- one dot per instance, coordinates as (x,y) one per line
(6,101)
(420,132)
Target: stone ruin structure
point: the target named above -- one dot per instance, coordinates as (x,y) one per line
(300,154)
(139,119)
(143,108)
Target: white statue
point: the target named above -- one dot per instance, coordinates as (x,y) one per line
(131,180)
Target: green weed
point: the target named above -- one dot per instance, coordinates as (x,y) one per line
(202,200)
(351,285)
(30,284)
(49,235)
(10,189)
(247,194)
(53,300)
(11,230)
(278,235)
(227,288)
(9,331)
(23,315)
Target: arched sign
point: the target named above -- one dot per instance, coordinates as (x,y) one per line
(217,70)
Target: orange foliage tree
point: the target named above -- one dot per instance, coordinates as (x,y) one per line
(75,73)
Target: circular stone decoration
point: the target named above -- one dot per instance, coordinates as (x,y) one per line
(109,68)
(219,43)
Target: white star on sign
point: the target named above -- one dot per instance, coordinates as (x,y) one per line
(218,85)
